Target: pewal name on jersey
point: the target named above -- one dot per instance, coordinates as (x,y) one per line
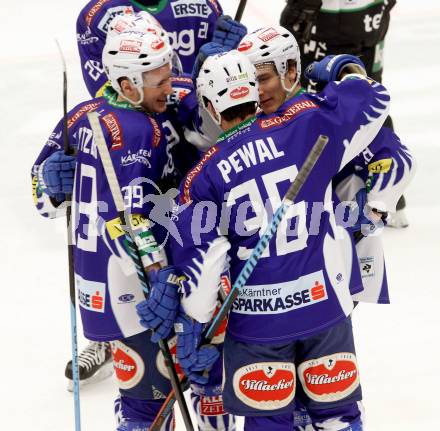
(185,8)
(282,297)
(249,154)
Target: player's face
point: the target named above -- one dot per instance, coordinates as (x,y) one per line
(157,86)
(270,90)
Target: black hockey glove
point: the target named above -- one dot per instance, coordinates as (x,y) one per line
(299,16)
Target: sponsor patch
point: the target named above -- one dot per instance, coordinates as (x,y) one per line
(130,46)
(81,111)
(211,406)
(186,197)
(157,44)
(160,361)
(111,123)
(330,378)
(239,93)
(268,34)
(86,38)
(157,135)
(186,8)
(141,156)
(129,366)
(245,45)
(126,298)
(265,385)
(281,297)
(91,294)
(94,10)
(110,13)
(226,284)
(367,266)
(289,114)
(380,166)
(115,230)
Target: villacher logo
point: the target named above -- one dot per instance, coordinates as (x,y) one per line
(330,378)
(265,385)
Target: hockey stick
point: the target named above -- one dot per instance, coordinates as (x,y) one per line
(143,278)
(73,326)
(240,10)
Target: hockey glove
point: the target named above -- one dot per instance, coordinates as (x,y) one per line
(228,32)
(366,220)
(193,359)
(56,175)
(159,311)
(206,50)
(331,66)
(299,16)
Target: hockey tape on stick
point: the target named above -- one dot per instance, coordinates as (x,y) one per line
(125,222)
(250,264)
(73,323)
(240,10)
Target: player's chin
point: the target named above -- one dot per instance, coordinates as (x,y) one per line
(160,106)
(268,106)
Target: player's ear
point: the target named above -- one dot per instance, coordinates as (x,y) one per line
(211,110)
(291,71)
(126,86)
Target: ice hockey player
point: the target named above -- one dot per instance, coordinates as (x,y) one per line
(385,167)
(292,316)
(95,22)
(189,26)
(374,179)
(105,276)
(324,27)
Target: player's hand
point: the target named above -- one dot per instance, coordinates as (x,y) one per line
(193,359)
(367,220)
(206,50)
(299,16)
(56,175)
(228,32)
(330,68)
(159,311)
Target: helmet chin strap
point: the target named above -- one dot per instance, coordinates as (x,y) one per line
(286,89)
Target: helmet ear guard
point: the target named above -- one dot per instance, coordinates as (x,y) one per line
(226,80)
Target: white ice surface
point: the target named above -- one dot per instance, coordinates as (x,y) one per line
(398,345)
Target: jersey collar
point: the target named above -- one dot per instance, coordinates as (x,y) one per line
(151,9)
(235,129)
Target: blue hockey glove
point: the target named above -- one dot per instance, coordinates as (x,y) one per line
(193,359)
(159,311)
(206,50)
(329,68)
(228,32)
(363,224)
(57,174)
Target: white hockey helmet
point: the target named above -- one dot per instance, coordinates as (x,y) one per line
(140,21)
(227,80)
(130,54)
(273,44)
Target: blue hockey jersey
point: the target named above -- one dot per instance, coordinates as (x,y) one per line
(139,144)
(301,284)
(189,24)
